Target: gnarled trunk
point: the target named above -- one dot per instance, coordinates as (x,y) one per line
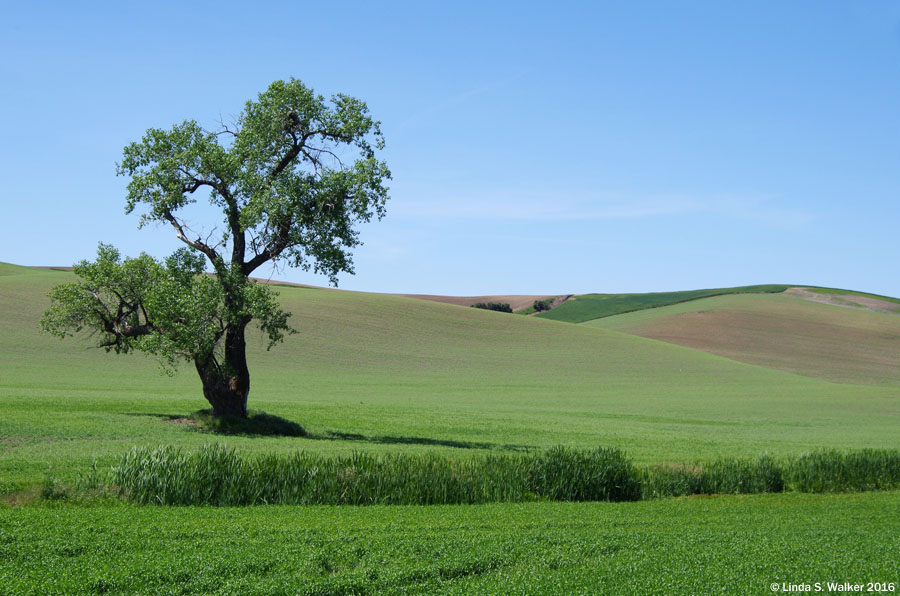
(227,387)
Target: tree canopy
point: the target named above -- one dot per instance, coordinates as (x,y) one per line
(292,177)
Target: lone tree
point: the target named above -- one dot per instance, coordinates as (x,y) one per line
(292,177)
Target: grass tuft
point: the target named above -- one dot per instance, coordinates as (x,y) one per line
(566,474)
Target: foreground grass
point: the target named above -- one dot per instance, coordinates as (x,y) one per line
(712,545)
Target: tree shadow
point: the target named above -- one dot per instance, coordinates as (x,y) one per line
(260,424)
(166,417)
(332,435)
(257,424)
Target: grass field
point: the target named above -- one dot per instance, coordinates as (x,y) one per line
(386,373)
(381,374)
(735,545)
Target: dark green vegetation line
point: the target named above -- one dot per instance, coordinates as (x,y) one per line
(595,306)
(724,545)
(216,475)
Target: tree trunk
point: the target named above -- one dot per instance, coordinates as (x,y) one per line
(227,387)
(224,400)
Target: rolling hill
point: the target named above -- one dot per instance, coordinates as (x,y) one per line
(385,373)
(780,331)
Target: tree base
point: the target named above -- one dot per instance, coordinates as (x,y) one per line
(255,424)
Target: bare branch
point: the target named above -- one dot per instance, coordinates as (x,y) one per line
(224,129)
(317,159)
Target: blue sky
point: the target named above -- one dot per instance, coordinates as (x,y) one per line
(578,147)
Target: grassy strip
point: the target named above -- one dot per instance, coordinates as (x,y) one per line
(724,476)
(822,471)
(838,471)
(596,306)
(216,475)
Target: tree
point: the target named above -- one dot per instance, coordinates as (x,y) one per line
(287,194)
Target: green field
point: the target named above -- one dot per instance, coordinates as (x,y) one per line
(386,373)
(587,307)
(736,545)
(380,374)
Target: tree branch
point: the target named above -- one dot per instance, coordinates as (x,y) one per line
(278,244)
(286,160)
(213,256)
(299,146)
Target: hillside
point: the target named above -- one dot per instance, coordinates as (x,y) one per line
(384,372)
(789,332)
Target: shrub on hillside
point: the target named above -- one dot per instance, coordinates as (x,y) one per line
(498,306)
(541,305)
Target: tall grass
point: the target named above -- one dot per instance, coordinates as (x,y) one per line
(216,475)
(723,476)
(838,471)
(565,474)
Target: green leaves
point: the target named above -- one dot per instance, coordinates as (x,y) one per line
(107,301)
(284,176)
(168,166)
(171,310)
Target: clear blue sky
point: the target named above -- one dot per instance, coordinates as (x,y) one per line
(535,147)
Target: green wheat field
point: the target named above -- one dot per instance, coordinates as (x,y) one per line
(673,382)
